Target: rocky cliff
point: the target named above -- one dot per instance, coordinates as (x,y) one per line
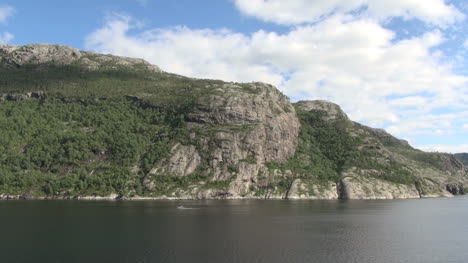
(233,133)
(124,128)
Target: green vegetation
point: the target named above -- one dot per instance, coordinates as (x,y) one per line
(97,132)
(324,149)
(74,148)
(161,90)
(102,132)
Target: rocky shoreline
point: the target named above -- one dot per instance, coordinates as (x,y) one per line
(115,197)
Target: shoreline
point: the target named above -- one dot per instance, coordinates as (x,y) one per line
(165,198)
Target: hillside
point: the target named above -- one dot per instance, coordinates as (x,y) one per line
(463,157)
(76,124)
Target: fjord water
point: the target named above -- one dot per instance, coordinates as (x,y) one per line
(426,230)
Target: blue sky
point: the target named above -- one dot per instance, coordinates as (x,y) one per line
(401,65)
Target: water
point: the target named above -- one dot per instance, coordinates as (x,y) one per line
(427,230)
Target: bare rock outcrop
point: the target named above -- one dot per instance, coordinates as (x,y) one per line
(311,191)
(456,189)
(184,160)
(44,55)
(237,129)
(39,54)
(21,96)
(257,120)
(333,111)
(358,187)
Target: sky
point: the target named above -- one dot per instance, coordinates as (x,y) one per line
(400,65)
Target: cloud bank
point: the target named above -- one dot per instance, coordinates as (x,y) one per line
(301,11)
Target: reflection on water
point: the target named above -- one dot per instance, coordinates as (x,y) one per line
(427,230)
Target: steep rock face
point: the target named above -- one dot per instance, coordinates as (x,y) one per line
(267,117)
(237,129)
(184,160)
(45,55)
(245,179)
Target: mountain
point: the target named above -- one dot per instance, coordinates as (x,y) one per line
(77,124)
(463,157)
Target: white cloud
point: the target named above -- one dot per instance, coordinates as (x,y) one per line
(197,53)
(445,148)
(428,124)
(356,63)
(306,11)
(5,13)
(410,101)
(5,37)
(465,127)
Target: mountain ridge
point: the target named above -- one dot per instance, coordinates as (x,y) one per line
(123,128)
(43,54)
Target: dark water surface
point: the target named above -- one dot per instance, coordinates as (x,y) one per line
(427,230)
